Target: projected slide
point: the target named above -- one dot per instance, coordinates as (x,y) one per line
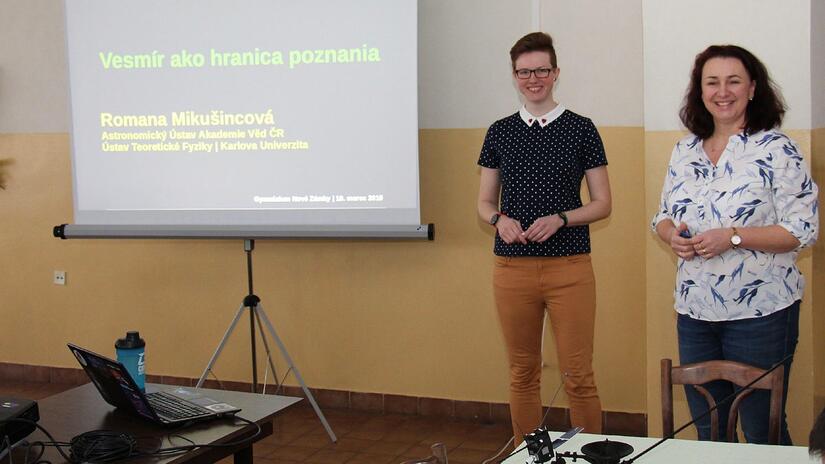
(244,112)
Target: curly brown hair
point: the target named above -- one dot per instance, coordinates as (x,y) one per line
(764,112)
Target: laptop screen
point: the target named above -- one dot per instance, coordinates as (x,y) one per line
(114,383)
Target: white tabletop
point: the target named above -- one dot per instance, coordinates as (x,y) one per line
(688,451)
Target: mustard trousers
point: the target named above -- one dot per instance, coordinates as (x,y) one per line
(526,287)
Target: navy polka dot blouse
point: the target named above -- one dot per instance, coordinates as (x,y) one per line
(541,171)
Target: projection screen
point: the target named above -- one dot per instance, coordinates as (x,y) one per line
(251,118)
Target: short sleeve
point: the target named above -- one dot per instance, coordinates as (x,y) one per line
(489,157)
(592,149)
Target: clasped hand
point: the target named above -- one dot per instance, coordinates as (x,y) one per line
(707,244)
(542,229)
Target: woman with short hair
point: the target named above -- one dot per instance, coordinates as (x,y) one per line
(532,166)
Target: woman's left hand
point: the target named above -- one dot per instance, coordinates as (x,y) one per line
(712,242)
(543,228)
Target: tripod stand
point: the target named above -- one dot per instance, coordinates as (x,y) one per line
(257,313)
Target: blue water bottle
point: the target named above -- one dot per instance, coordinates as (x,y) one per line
(131,353)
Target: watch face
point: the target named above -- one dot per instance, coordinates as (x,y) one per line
(736,240)
(494,219)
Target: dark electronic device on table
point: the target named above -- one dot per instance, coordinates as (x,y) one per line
(18,419)
(173,407)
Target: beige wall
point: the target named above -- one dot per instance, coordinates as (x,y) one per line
(676,30)
(609,73)
(817,18)
(410,318)
(818,167)
(817,281)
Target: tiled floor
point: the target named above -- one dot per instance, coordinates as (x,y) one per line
(373,438)
(363,438)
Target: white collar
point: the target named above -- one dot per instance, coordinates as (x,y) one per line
(544,119)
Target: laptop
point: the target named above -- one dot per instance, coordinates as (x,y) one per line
(174,407)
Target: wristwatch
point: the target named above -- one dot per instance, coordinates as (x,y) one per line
(494,219)
(735,239)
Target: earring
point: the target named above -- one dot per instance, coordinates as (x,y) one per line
(750,98)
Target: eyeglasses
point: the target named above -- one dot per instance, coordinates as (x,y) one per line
(539,72)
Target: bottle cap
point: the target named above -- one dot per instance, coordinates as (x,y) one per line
(131,341)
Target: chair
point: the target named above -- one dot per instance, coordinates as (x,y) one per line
(439,456)
(737,373)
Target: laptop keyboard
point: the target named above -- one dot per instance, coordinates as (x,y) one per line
(172,407)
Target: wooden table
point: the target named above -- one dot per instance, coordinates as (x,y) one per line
(82,409)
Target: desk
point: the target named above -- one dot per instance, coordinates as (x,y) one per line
(689,451)
(81,409)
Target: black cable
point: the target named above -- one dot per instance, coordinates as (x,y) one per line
(102,446)
(543,419)
(107,445)
(169,438)
(45,432)
(242,441)
(39,455)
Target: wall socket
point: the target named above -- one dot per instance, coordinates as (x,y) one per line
(60,277)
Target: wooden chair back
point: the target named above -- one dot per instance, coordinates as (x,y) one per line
(739,374)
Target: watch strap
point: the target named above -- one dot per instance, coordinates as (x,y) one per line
(563,217)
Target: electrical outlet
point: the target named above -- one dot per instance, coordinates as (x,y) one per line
(60,277)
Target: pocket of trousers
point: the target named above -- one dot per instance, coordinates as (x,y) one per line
(502,261)
(578,259)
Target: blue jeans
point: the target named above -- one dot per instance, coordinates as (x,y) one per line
(760,342)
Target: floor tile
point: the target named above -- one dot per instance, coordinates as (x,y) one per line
(260,450)
(389,447)
(265,461)
(294,453)
(369,458)
(417,452)
(347,443)
(468,456)
(329,456)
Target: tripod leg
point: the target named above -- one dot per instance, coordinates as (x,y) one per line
(11,447)
(220,346)
(294,368)
(268,352)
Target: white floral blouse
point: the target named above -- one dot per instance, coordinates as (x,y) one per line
(760,179)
